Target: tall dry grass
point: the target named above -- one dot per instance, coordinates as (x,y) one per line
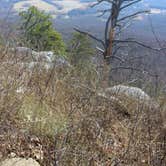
(55,117)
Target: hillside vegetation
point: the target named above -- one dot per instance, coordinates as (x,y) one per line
(56,109)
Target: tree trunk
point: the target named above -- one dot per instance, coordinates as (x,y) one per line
(105,74)
(110,46)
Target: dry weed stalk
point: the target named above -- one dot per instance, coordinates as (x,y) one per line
(93,130)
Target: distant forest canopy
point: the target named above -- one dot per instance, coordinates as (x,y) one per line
(154,61)
(86,18)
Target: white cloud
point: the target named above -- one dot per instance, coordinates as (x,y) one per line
(139,18)
(66,17)
(68,5)
(55,7)
(38,3)
(157,11)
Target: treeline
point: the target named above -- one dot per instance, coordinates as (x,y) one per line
(37,32)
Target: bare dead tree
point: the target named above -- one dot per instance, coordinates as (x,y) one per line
(116,22)
(114,25)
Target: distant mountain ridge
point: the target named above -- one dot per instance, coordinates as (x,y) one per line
(69,8)
(77,13)
(55,7)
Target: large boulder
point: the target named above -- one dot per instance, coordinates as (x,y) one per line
(128,91)
(131,98)
(45,56)
(19,162)
(20,50)
(28,58)
(28,54)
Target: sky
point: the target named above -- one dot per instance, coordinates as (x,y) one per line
(66,6)
(59,7)
(76,12)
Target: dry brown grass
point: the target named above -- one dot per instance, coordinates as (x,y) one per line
(60,120)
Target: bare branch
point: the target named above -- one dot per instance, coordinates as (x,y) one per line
(112,57)
(134,69)
(100,1)
(100,50)
(130,4)
(91,36)
(103,12)
(132,15)
(118,58)
(155,36)
(139,43)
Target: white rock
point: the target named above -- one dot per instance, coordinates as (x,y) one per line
(46,55)
(128,91)
(130,98)
(34,55)
(20,90)
(43,59)
(62,62)
(12,155)
(19,162)
(21,49)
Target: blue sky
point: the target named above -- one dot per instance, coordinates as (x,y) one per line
(58,7)
(156,3)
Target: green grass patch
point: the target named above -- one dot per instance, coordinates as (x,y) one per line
(38,117)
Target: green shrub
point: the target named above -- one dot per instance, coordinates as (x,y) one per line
(80,50)
(38,117)
(38,32)
(80,55)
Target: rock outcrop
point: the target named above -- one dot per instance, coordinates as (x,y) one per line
(128,91)
(29,58)
(132,99)
(19,162)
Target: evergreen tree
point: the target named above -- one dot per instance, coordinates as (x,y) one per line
(38,32)
(81,50)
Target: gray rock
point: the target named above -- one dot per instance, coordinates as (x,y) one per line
(19,162)
(43,59)
(128,91)
(46,56)
(62,62)
(21,50)
(130,98)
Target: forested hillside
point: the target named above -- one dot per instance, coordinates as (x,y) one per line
(87,94)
